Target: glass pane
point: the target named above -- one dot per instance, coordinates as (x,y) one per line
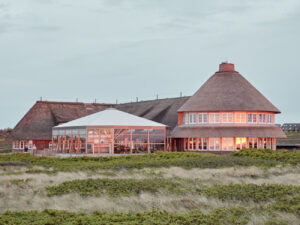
(200,118)
(205,117)
(217,117)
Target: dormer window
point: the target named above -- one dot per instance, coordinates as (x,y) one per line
(203,118)
(240,117)
(227,117)
(214,118)
(193,118)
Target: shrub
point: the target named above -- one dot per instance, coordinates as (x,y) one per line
(114,187)
(254,192)
(163,159)
(269,154)
(219,216)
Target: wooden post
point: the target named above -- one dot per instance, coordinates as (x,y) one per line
(113,141)
(148,141)
(130,142)
(164,139)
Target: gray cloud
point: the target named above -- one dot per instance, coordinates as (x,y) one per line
(122,49)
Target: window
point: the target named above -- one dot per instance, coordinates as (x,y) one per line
(252,142)
(227,143)
(240,117)
(214,144)
(190,140)
(202,118)
(194,144)
(227,117)
(262,118)
(251,117)
(214,117)
(254,118)
(269,118)
(240,143)
(193,118)
(186,118)
(202,143)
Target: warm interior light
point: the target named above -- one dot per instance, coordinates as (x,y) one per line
(240,140)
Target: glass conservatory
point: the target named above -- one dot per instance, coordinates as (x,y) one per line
(111,132)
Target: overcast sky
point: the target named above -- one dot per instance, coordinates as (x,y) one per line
(122,49)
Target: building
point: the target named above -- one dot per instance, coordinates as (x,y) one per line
(109,131)
(35,128)
(227,113)
(291,127)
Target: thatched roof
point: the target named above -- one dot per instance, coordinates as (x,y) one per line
(228,131)
(227,90)
(38,122)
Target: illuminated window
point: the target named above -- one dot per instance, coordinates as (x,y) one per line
(240,117)
(252,142)
(227,143)
(227,117)
(202,143)
(190,143)
(240,143)
(214,144)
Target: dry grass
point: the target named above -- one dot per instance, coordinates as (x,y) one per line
(30,194)
(277,175)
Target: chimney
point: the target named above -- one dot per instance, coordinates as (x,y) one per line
(225,66)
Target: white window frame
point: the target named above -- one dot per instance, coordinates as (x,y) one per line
(204,118)
(192,118)
(240,115)
(214,140)
(263,120)
(212,118)
(186,118)
(227,116)
(228,149)
(252,117)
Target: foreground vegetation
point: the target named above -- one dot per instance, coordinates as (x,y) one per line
(248,157)
(220,216)
(245,187)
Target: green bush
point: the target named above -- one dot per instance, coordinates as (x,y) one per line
(269,154)
(163,159)
(254,192)
(114,187)
(227,216)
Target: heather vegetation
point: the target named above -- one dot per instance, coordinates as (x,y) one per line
(248,157)
(245,187)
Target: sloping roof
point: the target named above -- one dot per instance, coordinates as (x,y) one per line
(38,122)
(162,110)
(228,131)
(111,117)
(227,90)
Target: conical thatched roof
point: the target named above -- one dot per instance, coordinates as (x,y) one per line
(227,90)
